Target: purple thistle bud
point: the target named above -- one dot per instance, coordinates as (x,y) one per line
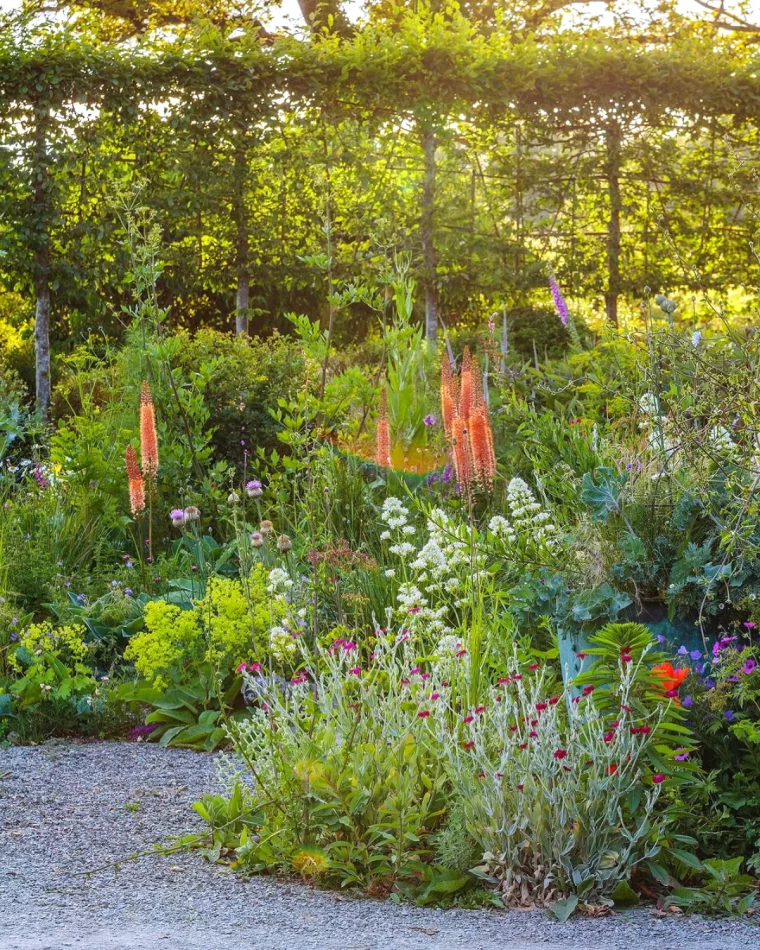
(559,301)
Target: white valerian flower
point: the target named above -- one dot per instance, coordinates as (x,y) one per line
(281,643)
(501,527)
(279,581)
(529,520)
(402,549)
(390,572)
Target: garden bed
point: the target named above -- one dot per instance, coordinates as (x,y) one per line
(68,809)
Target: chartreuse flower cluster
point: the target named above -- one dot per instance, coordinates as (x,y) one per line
(231,625)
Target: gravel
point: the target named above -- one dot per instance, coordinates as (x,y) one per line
(66,809)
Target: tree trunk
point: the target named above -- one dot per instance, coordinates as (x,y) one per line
(241,305)
(241,243)
(612,172)
(41,182)
(428,242)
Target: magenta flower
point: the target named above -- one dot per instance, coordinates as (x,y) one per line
(681,757)
(560,754)
(355,671)
(658,779)
(242,668)
(423,713)
(749,667)
(429,420)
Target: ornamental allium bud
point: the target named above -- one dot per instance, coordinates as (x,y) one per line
(284,543)
(266,527)
(192,513)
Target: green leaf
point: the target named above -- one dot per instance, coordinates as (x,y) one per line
(624,895)
(685,857)
(564,909)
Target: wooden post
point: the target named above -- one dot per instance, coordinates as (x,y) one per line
(41,190)
(428,241)
(241,242)
(613,141)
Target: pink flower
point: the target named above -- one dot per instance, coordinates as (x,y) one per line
(560,754)
(468,719)
(534,666)
(658,779)
(242,668)
(435,696)
(480,710)
(423,713)
(541,707)
(254,667)
(355,671)
(461,653)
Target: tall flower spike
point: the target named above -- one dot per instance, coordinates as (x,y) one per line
(481,439)
(466,392)
(559,301)
(383,434)
(448,396)
(148,438)
(135,480)
(460,451)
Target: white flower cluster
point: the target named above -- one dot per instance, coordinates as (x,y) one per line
(528,517)
(437,568)
(279,581)
(281,643)
(500,526)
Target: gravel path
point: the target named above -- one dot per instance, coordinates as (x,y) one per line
(68,808)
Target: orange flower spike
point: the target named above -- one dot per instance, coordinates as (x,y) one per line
(461,453)
(148,437)
(448,396)
(383,434)
(466,391)
(478,437)
(135,479)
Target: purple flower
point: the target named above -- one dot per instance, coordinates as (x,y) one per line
(749,625)
(733,679)
(559,300)
(699,668)
(253,488)
(129,592)
(448,473)
(681,757)
(14,636)
(749,667)
(728,715)
(39,474)
(660,638)
(433,477)
(695,654)
(429,420)
(682,651)
(687,702)
(177,516)
(710,683)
